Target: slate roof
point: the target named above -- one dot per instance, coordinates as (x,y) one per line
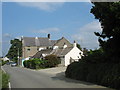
(66,50)
(58,52)
(63,41)
(52,42)
(29,41)
(62,52)
(39,53)
(32,41)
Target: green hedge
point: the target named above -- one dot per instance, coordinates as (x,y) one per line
(106,74)
(34,63)
(50,61)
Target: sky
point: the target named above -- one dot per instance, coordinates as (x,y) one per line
(71,20)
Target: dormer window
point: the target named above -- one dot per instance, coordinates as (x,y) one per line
(28,49)
(64,46)
(55,47)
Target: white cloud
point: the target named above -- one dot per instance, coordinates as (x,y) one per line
(46,6)
(47,30)
(86,36)
(7,35)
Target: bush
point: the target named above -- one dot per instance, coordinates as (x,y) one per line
(38,63)
(96,56)
(70,70)
(5,80)
(15,59)
(25,63)
(3,62)
(52,61)
(34,63)
(106,74)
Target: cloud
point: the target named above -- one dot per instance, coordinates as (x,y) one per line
(86,36)
(7,35)
(47,30)
(45,6)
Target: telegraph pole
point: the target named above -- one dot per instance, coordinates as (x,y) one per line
(18,56)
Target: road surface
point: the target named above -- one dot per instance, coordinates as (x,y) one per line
(25,78)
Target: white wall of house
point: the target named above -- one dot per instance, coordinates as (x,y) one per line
(74,54)
(6,59)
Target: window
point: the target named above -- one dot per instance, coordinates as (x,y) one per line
(28,49)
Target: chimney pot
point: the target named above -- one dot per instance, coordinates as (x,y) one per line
(49,36)
(75,44)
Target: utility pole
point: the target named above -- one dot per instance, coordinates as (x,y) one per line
(18,56)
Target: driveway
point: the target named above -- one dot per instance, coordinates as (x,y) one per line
(45,78)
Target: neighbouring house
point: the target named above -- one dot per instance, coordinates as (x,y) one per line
(6,59)
(39,47)
(68,53)
(31,45)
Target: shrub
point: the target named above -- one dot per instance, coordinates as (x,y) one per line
(96,68)
(52,61)
(3,62)
(106,74)
(5,80)
(38,63)
(34,63)
(96,56)
(25,63)
(15,59)
(70,69)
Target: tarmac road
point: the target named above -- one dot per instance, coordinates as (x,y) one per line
(46,78)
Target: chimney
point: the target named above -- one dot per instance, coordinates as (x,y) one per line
(49,36)
(36,41)
(21,38)
(75,44)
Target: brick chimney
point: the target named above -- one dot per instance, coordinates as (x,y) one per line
(49,36)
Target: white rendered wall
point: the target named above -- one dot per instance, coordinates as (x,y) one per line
(74,54)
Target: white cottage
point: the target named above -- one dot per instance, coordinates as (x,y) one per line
(73,55)
(68,54)
(66,51)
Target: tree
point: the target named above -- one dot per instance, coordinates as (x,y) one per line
(78,45)
(52,60)
(85,51)
(108,14)
(16,47)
